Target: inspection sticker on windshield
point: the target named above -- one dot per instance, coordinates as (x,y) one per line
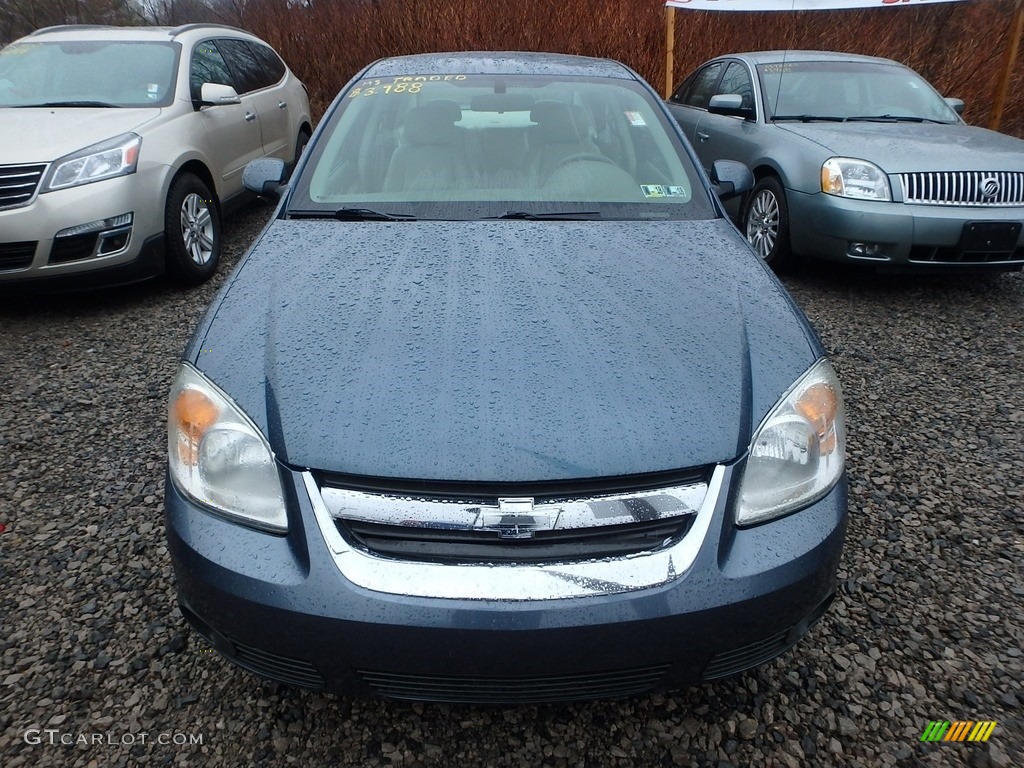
(658,190)
(635,118)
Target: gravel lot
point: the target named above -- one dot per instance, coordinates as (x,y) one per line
(927,624)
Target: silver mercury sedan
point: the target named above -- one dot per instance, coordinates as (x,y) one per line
(857,159)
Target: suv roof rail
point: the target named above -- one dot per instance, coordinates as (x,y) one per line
(60,27)
(198,25)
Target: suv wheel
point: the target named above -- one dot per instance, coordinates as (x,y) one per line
(192,231)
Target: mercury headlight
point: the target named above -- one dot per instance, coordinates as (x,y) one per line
(219,458)
(797,454)
(858,179)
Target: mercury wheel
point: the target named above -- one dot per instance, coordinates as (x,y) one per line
(766,223)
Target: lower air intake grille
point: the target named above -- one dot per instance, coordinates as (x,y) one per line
(747,656)
(514,690)
(73,248)
(956,256)
(283,668)
(17,255)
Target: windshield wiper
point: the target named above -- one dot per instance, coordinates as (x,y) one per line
(895,119)
(563,215)
(70,104)
(809,118)
(352,214)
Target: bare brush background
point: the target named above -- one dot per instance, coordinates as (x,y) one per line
(959,47)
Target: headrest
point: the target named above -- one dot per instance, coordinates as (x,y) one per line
(554,121)
(433,123)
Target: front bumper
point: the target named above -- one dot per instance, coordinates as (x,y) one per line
(901,235)
(279,606)
(28,256)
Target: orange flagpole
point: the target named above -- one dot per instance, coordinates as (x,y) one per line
(670,47)
(1003,87)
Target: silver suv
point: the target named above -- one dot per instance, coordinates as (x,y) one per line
(121,148)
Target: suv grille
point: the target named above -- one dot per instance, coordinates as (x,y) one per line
(18,184)
(977,188)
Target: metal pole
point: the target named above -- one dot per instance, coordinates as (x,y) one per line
(1003,87)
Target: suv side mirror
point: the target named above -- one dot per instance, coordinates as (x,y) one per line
(731,179)
(264,176)
(956,104)
(729,104)
(215,95)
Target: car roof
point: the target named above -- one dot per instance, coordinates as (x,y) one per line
(779,57)
(499,63)
(111,32)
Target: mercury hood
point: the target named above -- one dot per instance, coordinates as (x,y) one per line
(503,351)
(45,133)
(908,147)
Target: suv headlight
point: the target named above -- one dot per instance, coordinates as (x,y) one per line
(859,179)
(797,454)
(218,457)
(118,156)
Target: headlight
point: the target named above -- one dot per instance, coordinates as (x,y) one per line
(858,179)
(219,458)
(115,157)
(796,456)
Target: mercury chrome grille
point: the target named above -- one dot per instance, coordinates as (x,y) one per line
(974,188)
(515,547)
(18,184)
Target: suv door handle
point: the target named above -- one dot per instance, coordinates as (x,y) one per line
(250,116)
(282,104)
(703,136)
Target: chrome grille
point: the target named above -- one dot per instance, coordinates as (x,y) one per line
(976,188)
(18,184)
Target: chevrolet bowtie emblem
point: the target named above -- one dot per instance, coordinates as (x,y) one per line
(514,519)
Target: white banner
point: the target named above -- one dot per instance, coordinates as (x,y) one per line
(796,5)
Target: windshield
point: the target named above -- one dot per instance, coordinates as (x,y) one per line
(849,89)
(88,73)
(459,146)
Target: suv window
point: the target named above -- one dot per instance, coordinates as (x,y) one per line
(703,86)
(737,80)
(208,66)
(272,64)
(244,65)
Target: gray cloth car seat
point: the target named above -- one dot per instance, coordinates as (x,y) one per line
(432,152)
(562,131)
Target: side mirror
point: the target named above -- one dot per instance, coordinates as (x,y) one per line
(216,95)
(956,104)
(264,176)
(731,179)
(729,104)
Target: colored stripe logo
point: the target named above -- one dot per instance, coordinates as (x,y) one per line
(958,730)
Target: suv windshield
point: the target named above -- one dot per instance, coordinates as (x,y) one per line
(460,146)
(850,90)
(101,73)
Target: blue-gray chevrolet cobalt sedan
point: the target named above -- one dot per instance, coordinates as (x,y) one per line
(501,407)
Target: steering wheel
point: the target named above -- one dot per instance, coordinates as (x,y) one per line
(593,157)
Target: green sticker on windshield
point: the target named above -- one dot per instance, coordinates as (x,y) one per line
(660,190)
